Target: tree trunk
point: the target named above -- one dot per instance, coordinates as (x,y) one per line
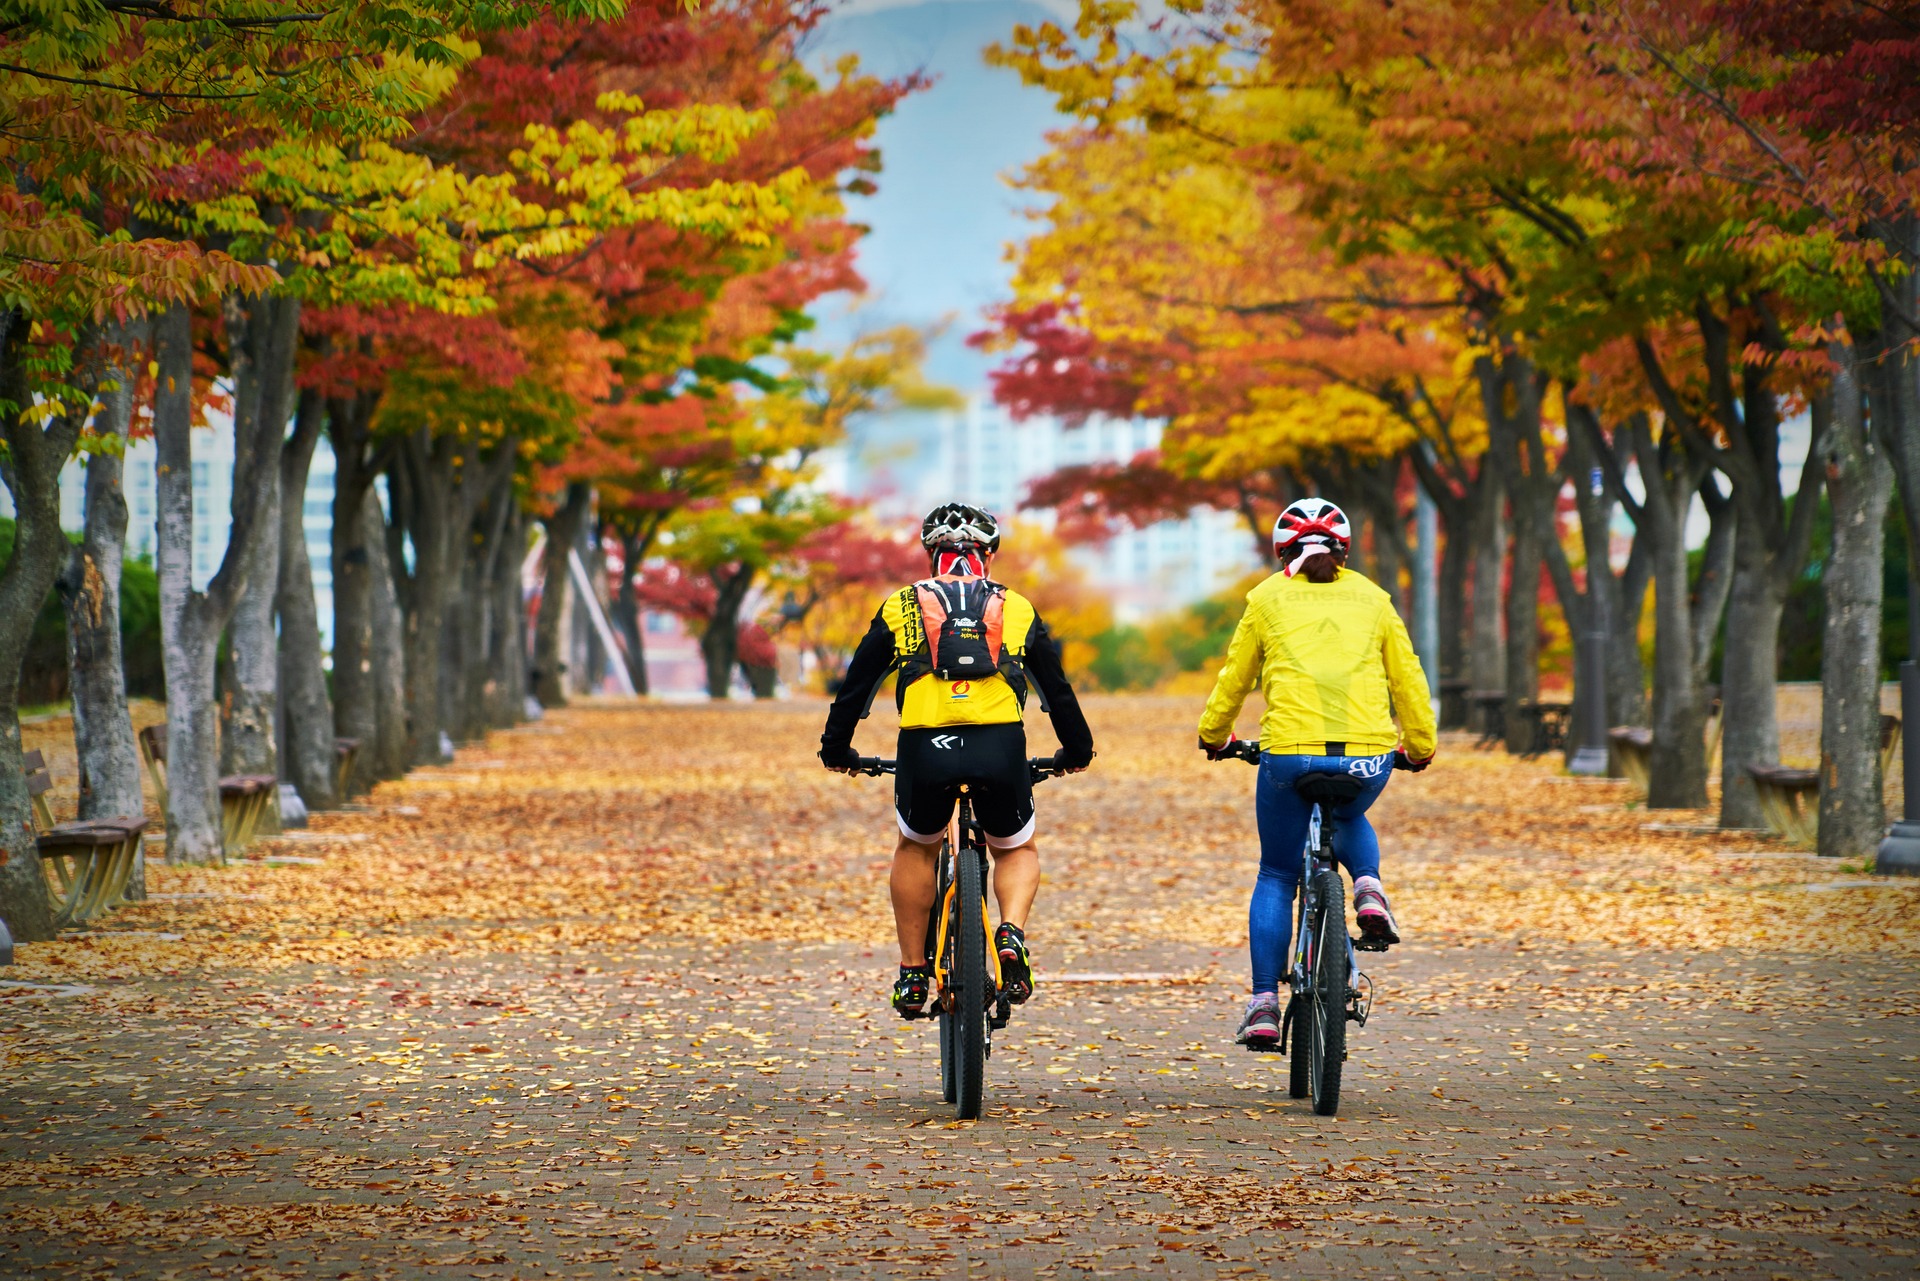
(507,650)
(30,466)
(354,714)
(309,727)
(628,613)
(1853,814)
(1749,725)
(1522,676)
(90,587)
(1488,649)
(1685,615)
(563,531)
(1893,383)
(1456,556)
(720,643)
(420,512)
(387,650)
(249,739)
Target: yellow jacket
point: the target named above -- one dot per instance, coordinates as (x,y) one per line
(1333,662)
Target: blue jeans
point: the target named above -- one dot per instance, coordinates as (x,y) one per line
(1284,819)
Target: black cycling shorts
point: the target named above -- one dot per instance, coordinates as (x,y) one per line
(990,759)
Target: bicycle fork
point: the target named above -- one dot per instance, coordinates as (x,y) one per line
(1359,988)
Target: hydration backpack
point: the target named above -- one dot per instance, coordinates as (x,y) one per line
(954,631)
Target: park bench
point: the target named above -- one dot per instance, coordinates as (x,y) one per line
(1632,749)
(244,798)
(89,863)
(1790,798)
(1548,724)
(345,752)
(1489,713)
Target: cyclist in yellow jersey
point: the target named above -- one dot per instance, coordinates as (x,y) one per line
(967,650)
(1332,659)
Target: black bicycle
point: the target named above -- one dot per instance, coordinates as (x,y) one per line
(968,999)
(1327,988)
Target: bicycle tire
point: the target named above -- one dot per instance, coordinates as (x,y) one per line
(970,986)
(1299,1067)
(949,1078)
(1329,994)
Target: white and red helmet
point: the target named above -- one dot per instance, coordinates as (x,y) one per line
(1314,520)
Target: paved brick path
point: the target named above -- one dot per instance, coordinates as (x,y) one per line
(675,1107)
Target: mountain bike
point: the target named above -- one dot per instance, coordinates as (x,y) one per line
(1327,988)
(967,996)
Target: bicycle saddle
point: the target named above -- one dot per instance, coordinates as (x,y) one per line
(1324,788)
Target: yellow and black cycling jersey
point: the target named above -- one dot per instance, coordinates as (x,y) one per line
(1334,664)
(1009,642)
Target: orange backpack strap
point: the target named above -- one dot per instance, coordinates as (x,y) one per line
(933,614)
(996,620)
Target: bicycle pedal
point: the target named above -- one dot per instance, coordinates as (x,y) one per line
(1364,944)
(1261,1047)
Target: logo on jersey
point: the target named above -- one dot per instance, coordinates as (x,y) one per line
(1370,766)
(960,691)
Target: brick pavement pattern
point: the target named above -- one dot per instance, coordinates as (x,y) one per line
(674,1105)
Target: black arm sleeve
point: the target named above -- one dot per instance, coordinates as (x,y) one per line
(1042,661)
(866,669)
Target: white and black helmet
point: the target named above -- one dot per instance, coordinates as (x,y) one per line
(1314,519)
(956,525)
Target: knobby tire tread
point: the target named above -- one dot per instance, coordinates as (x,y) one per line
(1329,995)
(970,989)
(1299,1063)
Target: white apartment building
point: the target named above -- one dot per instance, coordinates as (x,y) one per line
(212,507)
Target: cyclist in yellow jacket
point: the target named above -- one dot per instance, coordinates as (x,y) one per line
(1333,661)
(967,650)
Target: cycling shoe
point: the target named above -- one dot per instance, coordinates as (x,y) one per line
(1016,967)
(910,990)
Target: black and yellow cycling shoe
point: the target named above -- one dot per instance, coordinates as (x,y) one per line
(910,990)
(1016,967)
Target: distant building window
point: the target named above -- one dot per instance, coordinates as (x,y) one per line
(199,475)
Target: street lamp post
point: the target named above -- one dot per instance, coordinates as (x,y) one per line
(1900,853)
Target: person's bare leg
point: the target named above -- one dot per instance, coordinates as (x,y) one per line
(913,883)
(1016,879)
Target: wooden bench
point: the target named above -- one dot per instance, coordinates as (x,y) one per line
(1489,712)
(1790,801)
(1632,750)
(89,863)
(345,752)
(1889,742)
(244,798)
(1549,723)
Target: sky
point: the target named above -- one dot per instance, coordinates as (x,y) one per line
(943,216)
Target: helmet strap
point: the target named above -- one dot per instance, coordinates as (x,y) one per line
(966,562)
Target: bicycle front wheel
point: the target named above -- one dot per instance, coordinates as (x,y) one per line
(1329,999)
(968,1018)
(949,1075)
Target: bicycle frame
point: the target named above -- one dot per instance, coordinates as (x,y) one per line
(964,838)
(1318,857)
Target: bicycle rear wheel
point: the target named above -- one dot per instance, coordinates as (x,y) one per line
(968,979)
(1329,999)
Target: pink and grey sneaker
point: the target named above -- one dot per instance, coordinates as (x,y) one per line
(1378,931)
(1260,1029)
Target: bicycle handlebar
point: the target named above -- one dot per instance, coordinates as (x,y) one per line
(1249,751)
(1041,767)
